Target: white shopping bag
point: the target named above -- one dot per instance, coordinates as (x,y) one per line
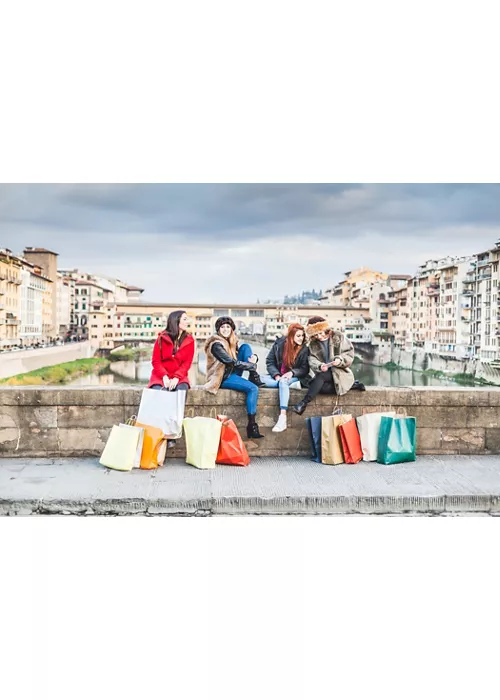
(164,410)
(369,428)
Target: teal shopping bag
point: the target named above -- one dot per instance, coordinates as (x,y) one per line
(397,440)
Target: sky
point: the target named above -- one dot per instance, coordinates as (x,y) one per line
(242,242)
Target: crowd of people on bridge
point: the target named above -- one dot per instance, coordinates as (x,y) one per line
(315,357)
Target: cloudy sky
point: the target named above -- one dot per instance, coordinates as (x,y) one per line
(222,243)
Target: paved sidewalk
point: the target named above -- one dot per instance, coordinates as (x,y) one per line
(274,486)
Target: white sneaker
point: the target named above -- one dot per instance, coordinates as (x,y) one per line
(280,425)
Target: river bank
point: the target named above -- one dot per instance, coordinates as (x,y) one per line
(470,372)
(58,374)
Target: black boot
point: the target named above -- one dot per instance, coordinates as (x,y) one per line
(301,406)
(358,386)
(253,429)
(254,377)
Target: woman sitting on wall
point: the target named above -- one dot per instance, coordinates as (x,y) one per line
(226,362)
(287,364)
(173,355)
(330,356)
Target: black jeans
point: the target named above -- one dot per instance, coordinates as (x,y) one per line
(321,384)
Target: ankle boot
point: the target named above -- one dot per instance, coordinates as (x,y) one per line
(254,377)
(301,406)
(253,429)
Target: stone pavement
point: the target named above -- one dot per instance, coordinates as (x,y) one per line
(434,485)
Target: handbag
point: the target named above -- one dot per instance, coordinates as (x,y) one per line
(351,444)
(123,448)
(232,449)
(331,444)
(369,428)
(164,410)
(202,441)
(397,440)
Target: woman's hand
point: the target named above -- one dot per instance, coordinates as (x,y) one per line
(337,362)
(253,359)
(287,375)
(172,384)
(324,368)
(166,381)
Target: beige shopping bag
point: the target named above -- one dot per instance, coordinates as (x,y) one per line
(331,446)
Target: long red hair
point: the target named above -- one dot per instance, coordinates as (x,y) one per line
(291,348)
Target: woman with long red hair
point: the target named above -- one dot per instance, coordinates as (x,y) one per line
(287,363)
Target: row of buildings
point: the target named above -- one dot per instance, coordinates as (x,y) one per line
(451,306)
(40,304)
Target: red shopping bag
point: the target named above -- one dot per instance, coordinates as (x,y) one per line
(351,442)
(231,448)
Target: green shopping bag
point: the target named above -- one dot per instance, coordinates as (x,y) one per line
(397,440)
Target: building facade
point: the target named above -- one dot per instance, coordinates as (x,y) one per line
(10,299)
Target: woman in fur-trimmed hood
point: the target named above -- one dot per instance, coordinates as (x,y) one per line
(226,362)
(330,356)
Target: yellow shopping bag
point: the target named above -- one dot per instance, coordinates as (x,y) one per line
(123,448)
(202,441)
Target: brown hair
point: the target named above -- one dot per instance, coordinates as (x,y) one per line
(232,341)
(291,348)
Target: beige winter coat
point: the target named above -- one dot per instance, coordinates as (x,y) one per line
(341,348)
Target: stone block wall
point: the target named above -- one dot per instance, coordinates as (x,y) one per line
(72,422)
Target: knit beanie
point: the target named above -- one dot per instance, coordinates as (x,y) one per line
(222,320)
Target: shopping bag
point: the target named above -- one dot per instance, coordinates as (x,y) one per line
(231,447)
(137,459)
(152,455)
(369,427)
(331,446)
(164,410)
(202,441)
(123,448)
(397,440)
(351,444)
(314,430)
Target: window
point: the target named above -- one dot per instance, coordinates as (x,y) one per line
(221,312)
(256,312)
(239,312)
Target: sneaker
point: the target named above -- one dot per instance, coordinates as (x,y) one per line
(280,425)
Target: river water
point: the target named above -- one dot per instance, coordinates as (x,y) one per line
(139,373)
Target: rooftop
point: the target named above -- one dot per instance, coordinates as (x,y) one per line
(39,250)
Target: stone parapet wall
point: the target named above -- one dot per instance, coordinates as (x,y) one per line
(71,422)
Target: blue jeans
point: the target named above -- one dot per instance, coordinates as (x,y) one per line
(244,352)
(283,387)
(236,382)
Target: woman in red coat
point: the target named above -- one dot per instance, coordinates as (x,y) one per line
(173,355)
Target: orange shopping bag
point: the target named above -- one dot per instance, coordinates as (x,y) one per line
(153,454)
(231,448)
(351,442)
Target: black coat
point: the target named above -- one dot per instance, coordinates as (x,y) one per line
(274,360)
(230,364)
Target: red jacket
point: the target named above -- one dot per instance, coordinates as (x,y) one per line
(166,362)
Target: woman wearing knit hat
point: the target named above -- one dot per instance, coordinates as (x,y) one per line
(330,356)
(226,362)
